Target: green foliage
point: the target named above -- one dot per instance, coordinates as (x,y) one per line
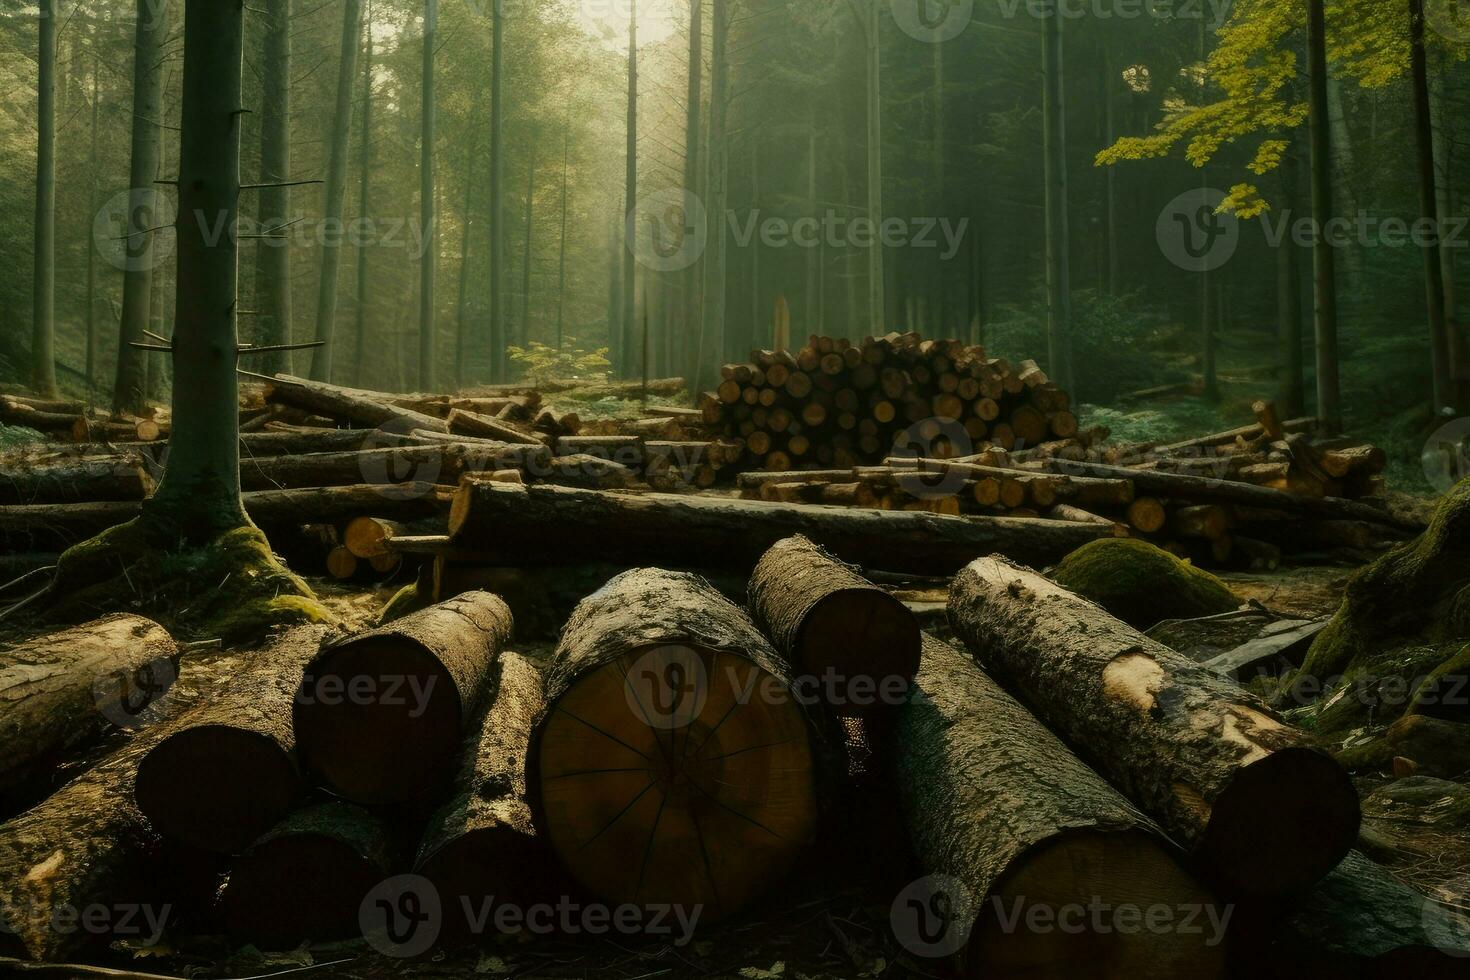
(540,362)
(12,436)
(1141,584)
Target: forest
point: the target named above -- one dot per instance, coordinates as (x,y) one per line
(734,488)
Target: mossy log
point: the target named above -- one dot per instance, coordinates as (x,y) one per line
(305,879)
(832,624)
(672,762)
(482,844)
(380,716)
(560,525)
(87,844)
(1359,922)
(1199,754)
(62,690)
(26,480)
(1142,584)
(226,773)
(1000,811)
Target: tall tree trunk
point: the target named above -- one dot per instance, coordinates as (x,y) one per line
(1291,390)
(615,260)
(91,309)
(1329,406)
(561,260)
(693,320)
(712,345)
(938,306)
(814,256)
(462,325)
(364,162)
(1444,169)
(273,256)
(876,307)
(630,196)
(130,389)
(336,188)
(752,336)
(1058,238)
(1439,335)
(1110,176)
(43,322)
(427,202)
(524,326)
(200,492)
(497,336)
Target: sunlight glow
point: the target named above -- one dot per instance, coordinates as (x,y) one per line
(608,20)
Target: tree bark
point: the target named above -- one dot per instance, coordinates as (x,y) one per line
(200,494)
(555,524)
(1440,348)
(120,477)
(1058,240)
(43,287)
(482,844)
(692,162)
(1329,404)
(1003,816)
(524,320)
(61,690)
(336,189)
(273,256)
(365,164)
(1291,389)
(561,261)
(830,622)
(877,310)
(497,337)
(381,468)
(462,322)
(427,675)
(306,878)
(222,775)
(712,341)
(1198,753)
(627,325)
(647,773)
(429,220)
(90,315)
(353,405)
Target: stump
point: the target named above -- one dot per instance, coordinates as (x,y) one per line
(379,717)
(830,622)
(671,763)
(1199,754)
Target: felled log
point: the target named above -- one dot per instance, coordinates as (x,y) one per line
(61,690)
(428,464)
(380,716)
(592,389)
(86,844)
(226,773)
(588,472)
(470,424)
(29,481)
(1077,515)
(1198,753)
(362,408)
(299,441)
(306,878)
(1008,822)
(648,774)
(560,525)
(830,623)
(374,537)
(482,844)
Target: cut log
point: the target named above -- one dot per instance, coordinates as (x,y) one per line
(1066,512)
(62,690)
(226,773)
(858,642)
(650,774)
(470,424)
(1147,514)
(1199,754)
(40,480)
(379,717)
(376,467)
(306,878)
(1007,822)
(588,472)
(368,409)
(301,441)
(559,525)
(482,844)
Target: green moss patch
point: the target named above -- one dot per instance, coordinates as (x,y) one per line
(405,601)
(1141,584)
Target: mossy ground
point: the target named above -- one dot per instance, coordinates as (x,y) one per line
(233,588)
(1141,584)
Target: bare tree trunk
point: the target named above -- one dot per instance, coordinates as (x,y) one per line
(273,256)
(615,259)
(524,327)
(427,202)
(630,196)
(1444,168)
(497,186)
(365,161)
(1058,238)
(876,307)
(1291,389)
(336,189)
(1329,406)
(561,262)
(814,256)
(200,492)
(43,323)
(693,319)
(1439,335)
(91,310)
(462,326)
(1110,177)
(712,333)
